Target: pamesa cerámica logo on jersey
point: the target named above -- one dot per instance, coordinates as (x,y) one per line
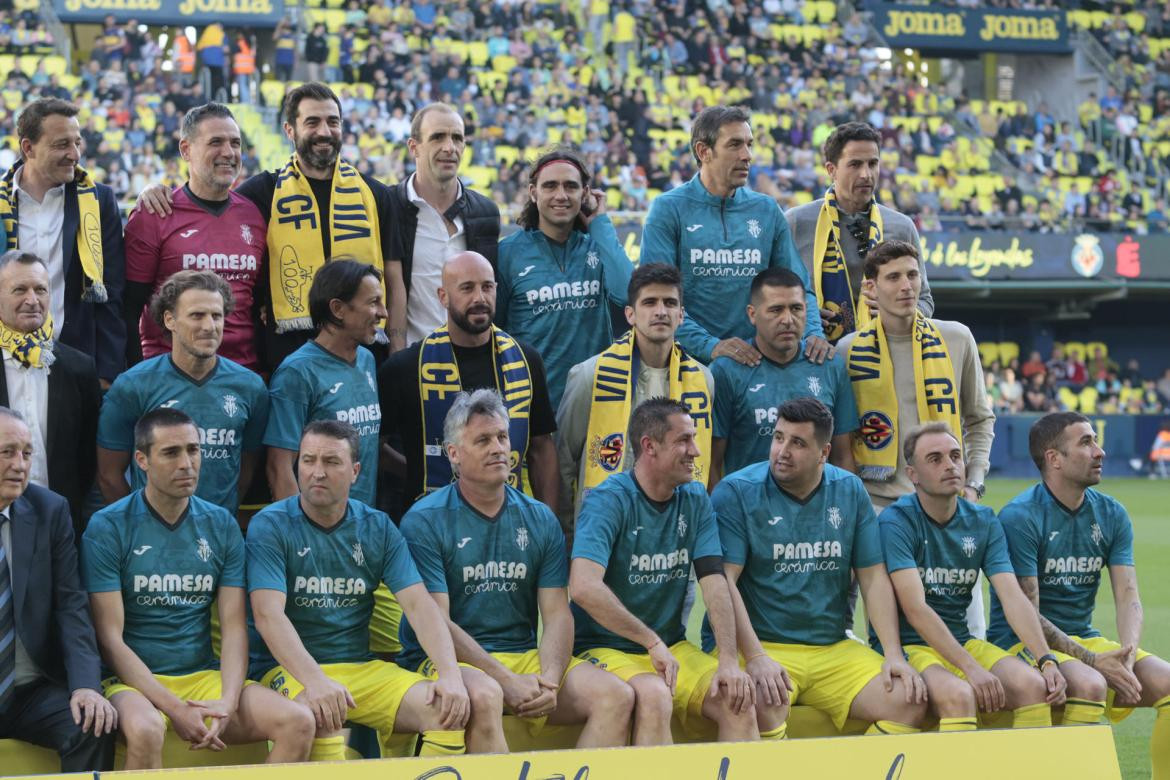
(562,296)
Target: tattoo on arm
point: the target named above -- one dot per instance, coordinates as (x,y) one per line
(1056,639)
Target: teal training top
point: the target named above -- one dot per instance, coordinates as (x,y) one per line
(719,245)
(168,576)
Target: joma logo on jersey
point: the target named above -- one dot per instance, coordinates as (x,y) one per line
(725,256)
(174,583)
(1073,565)
(220,262)
(223,437)
(660,561)
(504,570)
(938,575)
(342,586)
(563,290)
(360,414)
(805,550)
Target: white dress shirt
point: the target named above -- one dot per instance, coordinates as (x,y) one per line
(39,232)
(28,393)
(433,244)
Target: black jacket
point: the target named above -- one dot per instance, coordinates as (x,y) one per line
(481,225)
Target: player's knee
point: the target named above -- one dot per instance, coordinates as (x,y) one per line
(1084,682)
(953,698)
(295,724)
(653,702)
(143,731)
(1030,687)
(615,699)
(486,696)
(770,716)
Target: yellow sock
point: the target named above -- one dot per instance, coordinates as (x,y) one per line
(1082,712)
(328,749)
(957,724)
(442,743)
(890,727)
(780,732)
(1032,716)
(1160,741)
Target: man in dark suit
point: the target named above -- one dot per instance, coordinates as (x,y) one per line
(52,207)
(53,386)
(49,666)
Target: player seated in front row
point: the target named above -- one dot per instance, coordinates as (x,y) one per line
(154,562)
(794,530)
(1061,534)
(935,543)
(314,560)
(493,558)
(637,536)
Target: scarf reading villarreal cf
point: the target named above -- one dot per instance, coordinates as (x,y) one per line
(89,229)
(294,237)
(830,274)
(871,372)
(31,350)
(438,384)
(614,383)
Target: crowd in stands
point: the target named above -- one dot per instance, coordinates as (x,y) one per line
(1076,377)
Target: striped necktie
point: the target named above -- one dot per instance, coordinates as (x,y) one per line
(7,626)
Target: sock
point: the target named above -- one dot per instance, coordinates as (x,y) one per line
(442,743)
(890,727)
(328,749)
(780,732)
(1032,716)
(1082,712)
(957,724)
(1160,741)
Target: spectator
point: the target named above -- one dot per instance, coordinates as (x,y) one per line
(1011,392)
(1038,396)
(317,52)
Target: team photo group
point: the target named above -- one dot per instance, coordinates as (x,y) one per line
(497,477)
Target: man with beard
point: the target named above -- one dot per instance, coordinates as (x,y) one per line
(466,354)
(435,218)
(316,207)
(212,229)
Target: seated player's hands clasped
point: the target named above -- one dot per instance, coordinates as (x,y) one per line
(219,712)
(543,704)
(519,690)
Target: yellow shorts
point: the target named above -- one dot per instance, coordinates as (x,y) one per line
(384,623)
(377,687)
(695,670)
(827,677)
(1096,644)
(985,654)
(198,686)
(517,663)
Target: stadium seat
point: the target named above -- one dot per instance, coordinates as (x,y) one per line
(1088,398)
(1075,349)
(1092,347)
(988,352)
(22,758)
(1008,351)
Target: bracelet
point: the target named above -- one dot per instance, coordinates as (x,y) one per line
(1044,660)
(754,657)
(653,644)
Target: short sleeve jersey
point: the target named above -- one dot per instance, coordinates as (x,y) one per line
(1065,550)
(490,567)
(747,397)
(647,550)
(168,576)
(229,407)
(948,558)
(314,384)
(328,575)
(232,243)
(797,556)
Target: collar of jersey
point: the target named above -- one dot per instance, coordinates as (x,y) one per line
(701,192)
(317,525)
(770,361)
(806,499)
(480,514)
(162,521)
(1067,510)
(930,519)
(659,506)
(191,379)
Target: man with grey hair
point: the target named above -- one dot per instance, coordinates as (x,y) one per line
(720,235)
(492,559)
(211,228)
(60,406)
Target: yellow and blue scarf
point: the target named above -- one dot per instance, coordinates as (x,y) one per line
(89,230)
(294,237)
(614,382)
(830,273)
(438,384)
(31,350)
(871,372)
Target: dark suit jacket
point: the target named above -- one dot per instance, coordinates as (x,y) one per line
(51,608)
(97,329)
(71,435)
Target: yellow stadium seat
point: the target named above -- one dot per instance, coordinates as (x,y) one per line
(273,92)
(477,52)
(1136,21)
(1068,399)
(988,353)
(1092,347)
(506,155)
(1008,351)
(1075,349)
(1088,398)
(801,197)
(23,758)
(503,63)
(613,199)
(482,177)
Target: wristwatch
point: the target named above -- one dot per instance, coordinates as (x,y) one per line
(1045,659)
(979,489)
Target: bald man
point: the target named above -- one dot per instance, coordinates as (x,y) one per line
(466,354)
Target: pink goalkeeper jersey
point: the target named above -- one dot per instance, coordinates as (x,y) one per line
(191,238)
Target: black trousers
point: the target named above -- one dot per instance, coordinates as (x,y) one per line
(39,713)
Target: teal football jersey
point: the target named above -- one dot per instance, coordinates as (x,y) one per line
(1065,551)
(314,384)
(490,567)
(797,556)
(948,558)
(647,550)
(229,407)
(328,576)
(168,576)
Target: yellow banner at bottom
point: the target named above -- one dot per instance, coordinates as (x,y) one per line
(1068,753)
